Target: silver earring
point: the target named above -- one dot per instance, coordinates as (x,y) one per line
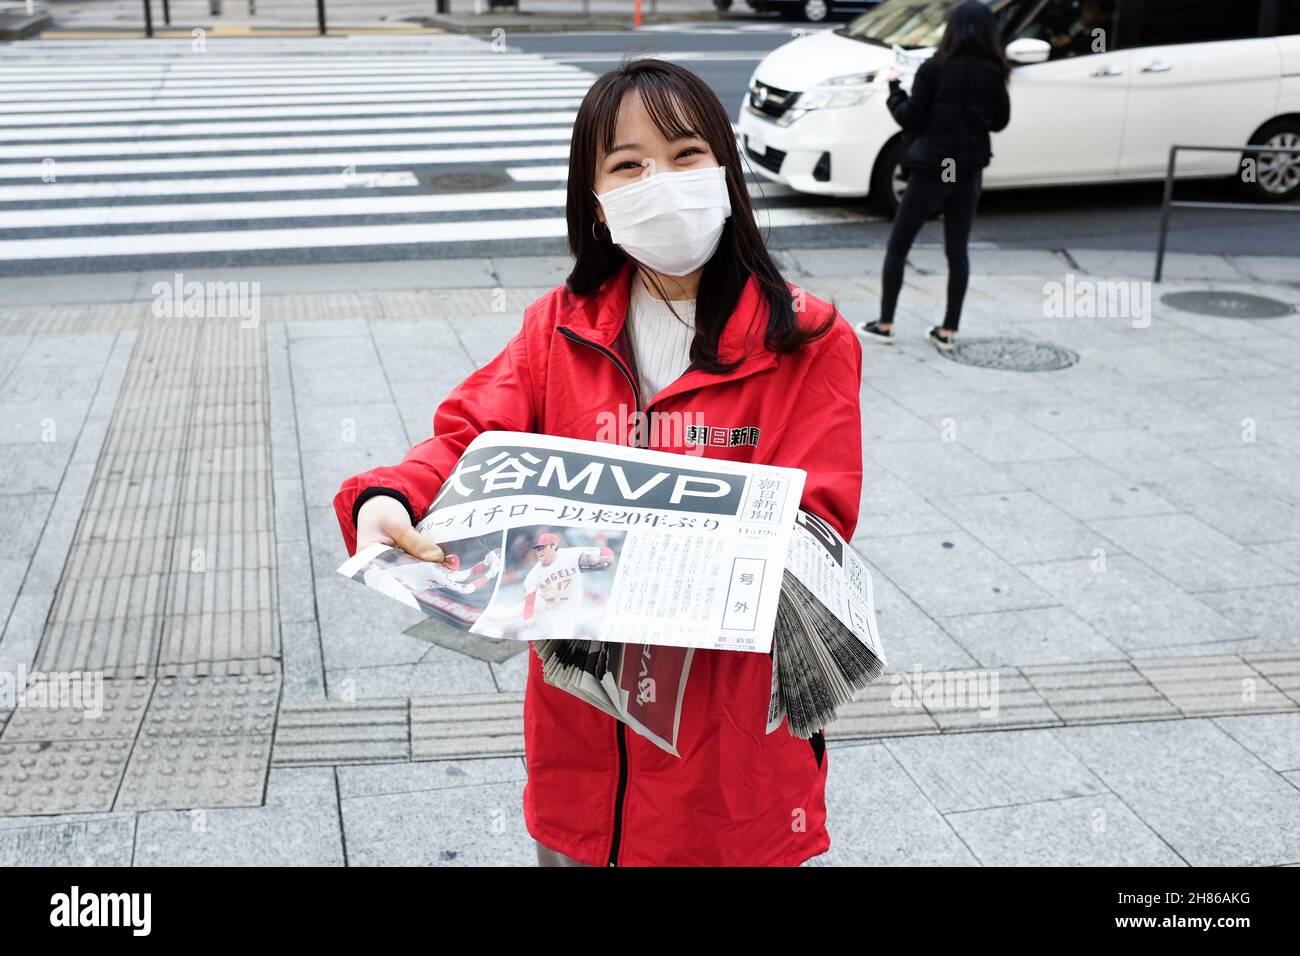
(595,223)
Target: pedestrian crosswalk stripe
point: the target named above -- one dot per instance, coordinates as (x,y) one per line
(517,100)
(395,157)
(142,132)
(136,188)
(388,99)
(281,143)
(37,102)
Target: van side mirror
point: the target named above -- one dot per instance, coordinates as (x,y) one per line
(1029,50)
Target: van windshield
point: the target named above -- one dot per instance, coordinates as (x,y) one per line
(905,23)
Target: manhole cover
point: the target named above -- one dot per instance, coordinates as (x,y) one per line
(1013,355)
(463,182)
(1228,305)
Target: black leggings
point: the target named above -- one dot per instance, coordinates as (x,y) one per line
(925,195)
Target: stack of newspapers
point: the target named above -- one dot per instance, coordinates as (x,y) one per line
(818,664)
(820,658)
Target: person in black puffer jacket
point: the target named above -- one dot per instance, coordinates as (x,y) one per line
(958,97)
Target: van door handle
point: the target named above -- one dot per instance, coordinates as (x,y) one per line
(1157,67)
(1106,71)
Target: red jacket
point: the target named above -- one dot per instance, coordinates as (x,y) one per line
(602,795)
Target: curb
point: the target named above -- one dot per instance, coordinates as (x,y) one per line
(21,27)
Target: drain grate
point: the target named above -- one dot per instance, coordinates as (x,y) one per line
(1012,354)
(1228,305)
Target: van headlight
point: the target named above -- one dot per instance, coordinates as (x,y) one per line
(836,93)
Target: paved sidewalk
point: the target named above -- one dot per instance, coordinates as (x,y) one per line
(1116,543)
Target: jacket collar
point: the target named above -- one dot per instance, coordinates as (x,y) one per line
(604,315)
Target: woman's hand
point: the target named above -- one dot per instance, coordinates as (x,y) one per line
(885,77)
(384,520)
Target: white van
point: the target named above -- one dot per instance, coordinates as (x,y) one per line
(1100,90)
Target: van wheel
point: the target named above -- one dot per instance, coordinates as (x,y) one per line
(887,182)
(815,11)
(1277,175)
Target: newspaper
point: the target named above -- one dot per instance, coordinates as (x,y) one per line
(907,62)
(619,563)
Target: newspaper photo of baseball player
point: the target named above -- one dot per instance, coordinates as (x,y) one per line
(458,588)
(555,584)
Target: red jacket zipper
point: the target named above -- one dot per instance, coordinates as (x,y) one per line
(620,732)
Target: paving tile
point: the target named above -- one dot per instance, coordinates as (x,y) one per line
(1273,738)
(934,468)
(343,352)
(304,672)
(1099,692)
(84,709)
(1021,527)
(1211,800)
(1192,554)
(372,780)
(481,825)
(889,509)
(439,672)
(1268,613)
(336,732)
(106,841)
(62,776)
(1280,670)
(1253,519)
(877,816)
(467,726)
(338,426)
(213,706)
(1047,635)
(1213,685)
(38,470)
(1006,437)
(181,772)
(297,826)
(1130,604)
(1080,831)
(977,771)
(949,574)
(1086,490)
(21,520)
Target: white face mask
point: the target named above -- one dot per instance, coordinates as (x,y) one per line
(670,222)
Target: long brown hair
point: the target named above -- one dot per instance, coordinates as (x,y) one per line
(973,31)
(669,91)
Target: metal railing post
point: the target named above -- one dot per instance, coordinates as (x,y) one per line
(1164,212)
(167,12)
(1169,203)
(320,16)
(148,19)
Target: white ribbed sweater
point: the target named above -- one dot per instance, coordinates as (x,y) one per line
(661,341)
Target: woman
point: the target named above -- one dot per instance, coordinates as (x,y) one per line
(673,308)
(958,97)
